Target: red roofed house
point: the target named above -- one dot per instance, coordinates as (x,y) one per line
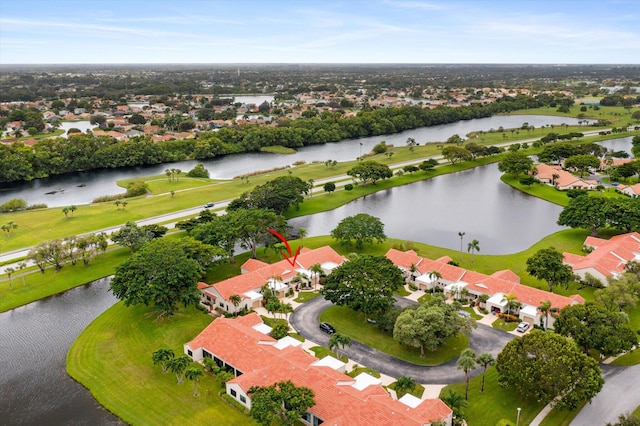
(243,346)
(452,279)
(632,191)
(561,179)
(608,258)
(277,276)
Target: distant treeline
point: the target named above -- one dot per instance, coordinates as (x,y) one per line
(50,157)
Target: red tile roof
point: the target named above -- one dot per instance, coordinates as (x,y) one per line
(337,401)
(609,256)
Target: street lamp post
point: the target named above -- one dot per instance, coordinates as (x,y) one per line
(518,418)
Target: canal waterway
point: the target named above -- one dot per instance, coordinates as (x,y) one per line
(34,386)
(83,187)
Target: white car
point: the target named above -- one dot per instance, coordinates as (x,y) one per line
(523,326)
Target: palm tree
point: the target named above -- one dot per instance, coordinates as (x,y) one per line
(194,374)
(124,204)
(554,177)
(404,385)
(339,340)
(512,302)
(461,235)
(310,182)
(236,300)
(485,359)
(303,233)
(456,402)
(466,363)
(316,269)
(117,203)
(10,271)
(168,173)
(545,308)
(472,247)
(178,365)
(72,209)
(65,210)
(162,357)
(413,269)
(434,275)
(21,266)
(285,309)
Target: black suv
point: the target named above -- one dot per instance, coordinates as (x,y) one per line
(327,328)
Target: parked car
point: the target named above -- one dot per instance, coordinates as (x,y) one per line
(523,326)
(208,205)
(327,328)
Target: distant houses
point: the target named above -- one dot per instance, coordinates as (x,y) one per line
(561,179)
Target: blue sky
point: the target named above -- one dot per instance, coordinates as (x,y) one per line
(326,31)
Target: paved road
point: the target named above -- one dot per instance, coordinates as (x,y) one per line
(483,339)
(620,395)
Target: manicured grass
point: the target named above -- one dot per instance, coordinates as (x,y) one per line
(163,186)
(112,357)
(278,149)
(321,352)
(37,285)
(425,298)
(617,115)
(495,403)
(353,324)
(561,417)
(305,296)
(501,324)
(473,313)
(636,412)
(369,371)
(628,359)
(401,291)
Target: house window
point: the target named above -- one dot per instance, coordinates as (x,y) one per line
(317,421)
(189,352)
(221,305)
(307,417)
(233,393)
(208,298)
(206,354)
(243,399)
(238,373)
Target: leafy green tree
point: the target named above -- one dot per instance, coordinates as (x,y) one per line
(546,264)
(515,163)
(277,194)
(283,401)
(280,329)
(592,326)
(411,143)
(370,171)
(545,308)
(456,154)
(329,187)
(178,366)
(486,360)
(457,403)
(338,340)
(621,294)
(137,119)
(132,236)
(546,367)
(199,171)
(364,284)
(159,274)
(582,163)
(585,212)
(428,165)
(429,325)
(404,385)
(53,252)
(161,357)
(466,362)
(362,228)
(626,419)
(194,374)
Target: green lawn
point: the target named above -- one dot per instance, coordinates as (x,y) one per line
(561,417)
(278,149)
(495,403)
(473,313)
(37,285)
(500,324)
(305,296)
(321,352)
(357,370)
(112,357)
(628,359)
(353,324)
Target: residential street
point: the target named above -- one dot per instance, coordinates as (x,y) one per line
(620,395)
(483,339)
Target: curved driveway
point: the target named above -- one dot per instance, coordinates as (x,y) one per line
(483,339)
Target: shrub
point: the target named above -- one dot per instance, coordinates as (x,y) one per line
(508,317)
(13,205)
(380,148)
(348,187)
(412,287)
(136,188)
(198,171)
(36,206)
(106,198)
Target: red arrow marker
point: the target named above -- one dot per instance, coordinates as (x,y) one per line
(286,243)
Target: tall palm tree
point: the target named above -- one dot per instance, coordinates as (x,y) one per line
(72,209)
(235,300)
(9,271)
(545,308)
(178,365)
(339,340)
(303,233)
(194,374)
(485,359)
(316,269)
(461,235)
(21,266)
(466,363)
(162,357)
(512,302)
(473,247)
(404,385)
(456,402)
(435,275)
